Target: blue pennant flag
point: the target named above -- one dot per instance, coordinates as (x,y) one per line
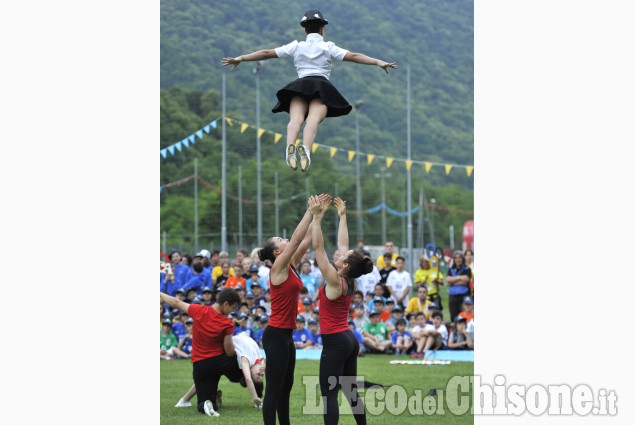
(206,128)
(164,153)
(199,134)
(171,149)
(186,143)
(377,208)
(192,138)
(178,146)
(213,123)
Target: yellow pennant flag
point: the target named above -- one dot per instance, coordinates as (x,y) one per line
(428,165)
(333,150)
(277,137)
(469,170)
(448,167)
(408,165)
(297,142)
(389,162)
(370,158)
(351,154)
(243,127)
(260,131)
(314,147)
(229,121)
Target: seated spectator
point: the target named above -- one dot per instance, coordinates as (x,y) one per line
(376,335)
(264,321)
(420,302)
(242,319)
(178,327)
(379,293)
(253,277)
(307,308)
(468,309)
(360,338)
(259,296)
(206,294)
(396,314)
(384,314)
(309,281)
(191,294)
(184,348)
(197,278)
(315,333)
(246,263)
(223,257)
(249,299)
(360,319)
(433,336)
(267,303)
(301,336)
(470,329)
(237,279)
(259,310)
(419,323)
(180,294)
(369,299)
(241,293)
(459,338)
(432,307)
(401,338)
(224,275)
(304,294)
(168,340)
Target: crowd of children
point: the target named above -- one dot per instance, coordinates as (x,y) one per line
(384,319)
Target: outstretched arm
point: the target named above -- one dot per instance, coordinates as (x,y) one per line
(304,245)
(342,234)
(255,56)
(244,366)
(367,60)
(318,209)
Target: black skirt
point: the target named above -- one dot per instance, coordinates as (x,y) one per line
(313,87)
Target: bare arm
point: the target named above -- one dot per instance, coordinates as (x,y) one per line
(244,363)
(304,245)
(228,346)
(367,60)
(174,302)
(280,269)
(329,273)
(255,56)
(342,233)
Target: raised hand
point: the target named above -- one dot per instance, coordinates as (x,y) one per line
(341,206)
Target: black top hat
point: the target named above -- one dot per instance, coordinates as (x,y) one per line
(313,16)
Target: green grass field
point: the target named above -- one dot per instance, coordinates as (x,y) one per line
(176,379)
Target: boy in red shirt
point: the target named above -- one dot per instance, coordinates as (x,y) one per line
(213,353)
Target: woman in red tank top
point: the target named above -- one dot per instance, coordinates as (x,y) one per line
(340,347)
(277,340)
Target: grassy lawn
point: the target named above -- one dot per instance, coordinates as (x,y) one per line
(176,379)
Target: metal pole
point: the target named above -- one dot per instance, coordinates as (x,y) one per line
(223,232)
(360,226)
(165,242)
(410,262)
(432,201)
(383,201)
(258,172)
(275,175)
(195,204)
(420,224)
(240,206)
(451,237)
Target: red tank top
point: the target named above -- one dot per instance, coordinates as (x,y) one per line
(334,313)
(284,301)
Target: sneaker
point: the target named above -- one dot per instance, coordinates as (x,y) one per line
(182,403)
(305,158)
(209,409)
(219,399)
(414,355)
(292,161)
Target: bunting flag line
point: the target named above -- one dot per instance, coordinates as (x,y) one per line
(368,211)
(191,139)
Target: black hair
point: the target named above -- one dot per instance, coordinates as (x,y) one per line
(187,257)
(366,253)
(304,289)
(214,252)
(197,267)
(358,265)
(266,253)
(358,292)
(387,255)
(419,314)
(228,294)
(400,258)
(436,314)
(311,27)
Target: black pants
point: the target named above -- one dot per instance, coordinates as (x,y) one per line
(456,304)
(280,351)
(339,359)
(207,373)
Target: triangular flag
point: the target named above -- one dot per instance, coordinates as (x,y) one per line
(243,127)
(178,146)
(469,170)
(229,121)
(428,166)
(199,134)
(186,143)
(408,165)
(260,131)
(314,147)
(370,158)
(448,167)
(192,138)
(171,149)
(297,142)
(389,162)
(351,154)
(333,150)
(206,128)
(213,124)
(277,137)
(164,153)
